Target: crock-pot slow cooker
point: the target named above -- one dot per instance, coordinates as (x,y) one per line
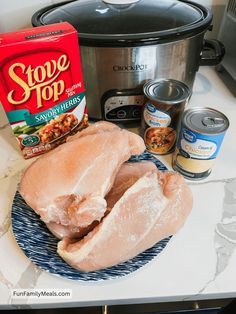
(125,43)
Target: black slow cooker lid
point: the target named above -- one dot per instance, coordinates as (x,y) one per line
(119,22)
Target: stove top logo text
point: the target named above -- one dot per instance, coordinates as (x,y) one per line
(41,80)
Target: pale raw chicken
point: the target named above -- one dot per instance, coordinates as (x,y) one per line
(128,174)
(98,127)
(174,188)
(154,207)
(60,231)
(67,185)
(180,202)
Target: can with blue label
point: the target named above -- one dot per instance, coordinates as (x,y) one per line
(200,138)
(161,116)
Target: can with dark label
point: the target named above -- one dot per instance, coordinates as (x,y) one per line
(165,103)
(201,135)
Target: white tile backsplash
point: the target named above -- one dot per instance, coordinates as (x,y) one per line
(16,14)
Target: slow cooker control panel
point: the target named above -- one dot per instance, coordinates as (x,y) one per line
(122,106)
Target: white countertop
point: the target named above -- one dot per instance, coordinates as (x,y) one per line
(196,264)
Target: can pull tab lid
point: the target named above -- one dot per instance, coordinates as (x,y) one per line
(211,122)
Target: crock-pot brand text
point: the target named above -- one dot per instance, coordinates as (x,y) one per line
(130,68)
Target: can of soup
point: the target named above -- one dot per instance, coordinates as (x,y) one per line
(200,138)
(161,115)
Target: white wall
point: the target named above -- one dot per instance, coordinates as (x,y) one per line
(218,8)
(15,14)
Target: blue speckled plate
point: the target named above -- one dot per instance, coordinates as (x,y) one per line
(40,246)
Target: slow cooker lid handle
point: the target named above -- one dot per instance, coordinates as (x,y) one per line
(120,1)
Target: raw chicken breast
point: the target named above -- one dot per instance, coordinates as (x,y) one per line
(180,202)
(60,231)
(98,127)
(174,187)
(67,185)
(128,174)
(155,206)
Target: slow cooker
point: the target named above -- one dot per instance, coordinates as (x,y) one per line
(125,43)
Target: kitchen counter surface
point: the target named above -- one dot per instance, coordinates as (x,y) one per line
(198,262)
